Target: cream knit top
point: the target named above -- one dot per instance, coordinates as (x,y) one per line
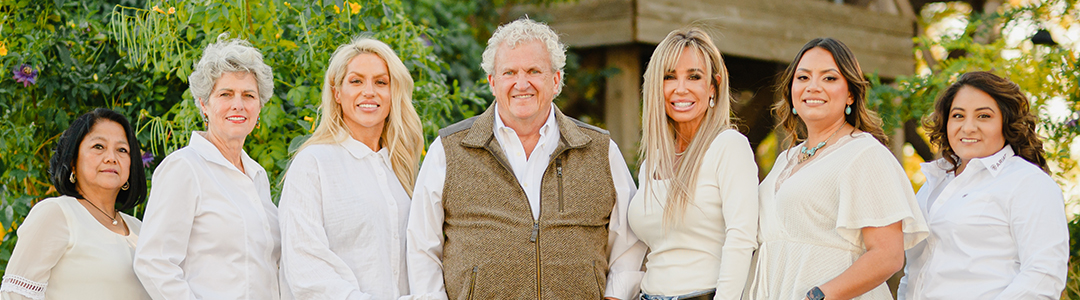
(711,246)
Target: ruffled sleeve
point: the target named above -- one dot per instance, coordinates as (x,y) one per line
(874,191)
(44,237)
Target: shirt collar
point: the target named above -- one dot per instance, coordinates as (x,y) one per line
(994,162)
(549,124)
(360,150)
(210,153)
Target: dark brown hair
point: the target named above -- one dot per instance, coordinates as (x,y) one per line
(1018,123)
(66,154)
(861,117)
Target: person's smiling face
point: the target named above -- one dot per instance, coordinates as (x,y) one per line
(364,95)
(688,88)
(975,124)
(524,83)
(819,92)
(233,108)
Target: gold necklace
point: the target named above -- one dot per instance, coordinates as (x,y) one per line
(102,211)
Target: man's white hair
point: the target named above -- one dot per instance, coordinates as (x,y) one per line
(526,30)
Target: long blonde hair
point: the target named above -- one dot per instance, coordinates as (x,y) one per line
(402,134)
(658,136)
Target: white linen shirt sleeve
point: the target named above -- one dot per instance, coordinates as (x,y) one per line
(163,241)
(424,235)
(626,251)
(311,269)
(44,237)
(1039,226)
(738,187)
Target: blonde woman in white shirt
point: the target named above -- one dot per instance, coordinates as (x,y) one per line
(80,241)
(697,210)
(997,220)
(837,210)
(345,201)
(211,230)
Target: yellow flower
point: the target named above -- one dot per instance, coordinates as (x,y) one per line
(95,76)
(172,10)
(158,9)
(354,7)
(3,49)
(337,10)
(287,4)
(277,36)
(309,119)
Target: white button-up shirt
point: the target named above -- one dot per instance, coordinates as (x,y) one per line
(343,217)
(210,231)
(997,231)
(425,230)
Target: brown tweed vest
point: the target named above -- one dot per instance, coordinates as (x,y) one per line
(493,249)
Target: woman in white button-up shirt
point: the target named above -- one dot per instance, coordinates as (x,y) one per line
(345,202)
(997,220)
(211,230)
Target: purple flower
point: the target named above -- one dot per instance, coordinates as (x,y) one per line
(1071,123)
(147,158)
(26,75)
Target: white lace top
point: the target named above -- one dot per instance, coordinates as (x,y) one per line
(64,253)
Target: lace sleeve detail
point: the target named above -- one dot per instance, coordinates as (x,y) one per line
(22,286)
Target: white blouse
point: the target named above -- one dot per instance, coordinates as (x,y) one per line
(210,231)
(64,253)
(343,217)
(811,222)
(712,245)
(997,231)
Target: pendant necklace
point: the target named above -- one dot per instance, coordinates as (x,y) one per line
(807,153)
(102,211)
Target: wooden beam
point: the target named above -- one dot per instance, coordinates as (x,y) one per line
(774,30)
(586,23)
(622,99)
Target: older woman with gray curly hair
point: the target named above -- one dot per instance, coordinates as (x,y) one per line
(211,230)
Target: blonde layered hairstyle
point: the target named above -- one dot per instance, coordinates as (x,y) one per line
(658,136)
(402,133)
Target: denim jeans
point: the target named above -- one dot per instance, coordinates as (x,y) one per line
(645,296)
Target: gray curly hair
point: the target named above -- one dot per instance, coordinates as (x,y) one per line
(524,30)
(230,55)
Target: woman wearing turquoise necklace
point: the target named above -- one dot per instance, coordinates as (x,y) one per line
(836,211)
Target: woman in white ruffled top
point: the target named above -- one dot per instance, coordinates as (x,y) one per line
(837,211)
(79,245)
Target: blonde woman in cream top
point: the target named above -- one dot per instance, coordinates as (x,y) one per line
(697,206)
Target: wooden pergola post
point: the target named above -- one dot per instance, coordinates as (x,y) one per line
(622,95)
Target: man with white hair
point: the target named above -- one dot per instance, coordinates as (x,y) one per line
(523,202)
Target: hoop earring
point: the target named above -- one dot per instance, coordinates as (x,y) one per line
(72,177)
(847,110)
(125,186)
(794,112)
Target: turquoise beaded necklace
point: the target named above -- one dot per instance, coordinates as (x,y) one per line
(807,153)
